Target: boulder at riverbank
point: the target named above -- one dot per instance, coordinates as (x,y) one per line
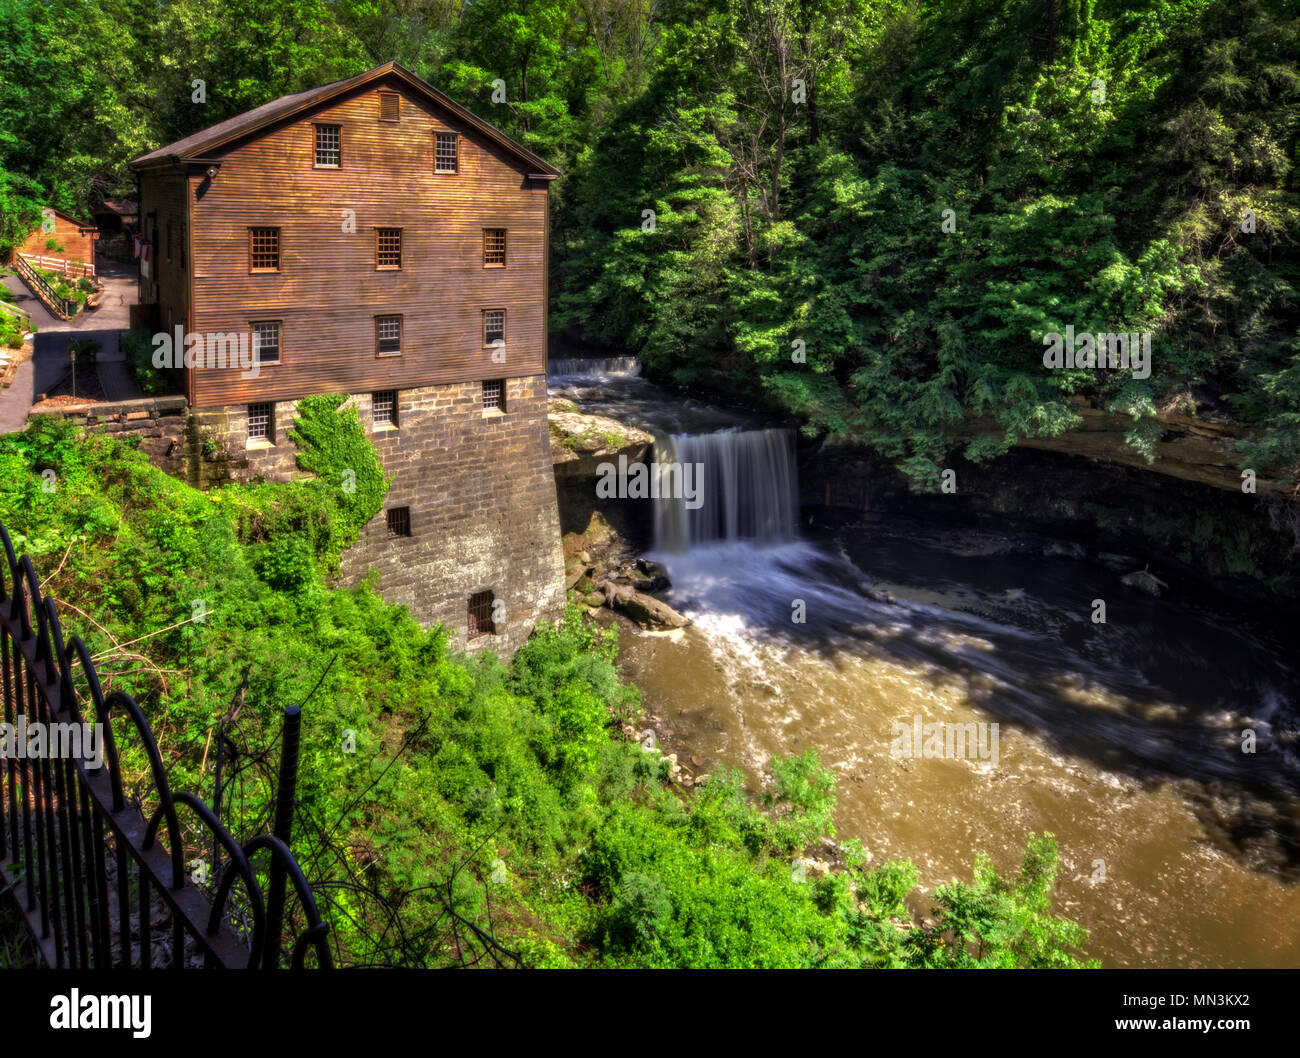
(581,442)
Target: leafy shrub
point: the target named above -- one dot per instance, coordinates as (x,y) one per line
(333,445)
(641,908)
(996,922)
(137,346)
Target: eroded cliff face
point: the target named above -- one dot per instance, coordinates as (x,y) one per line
(1186,514)
(1190,449)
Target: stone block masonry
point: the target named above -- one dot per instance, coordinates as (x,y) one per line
(219,449)
(477,487)
(479,494)
(159,422)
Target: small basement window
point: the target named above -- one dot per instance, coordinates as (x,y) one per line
(480,615)
(445,155)
(494,395)
(388,335)
(261,422)
(266,342)
(388,247)
(494,247)
(399,521)
(383,407)
(389,106)
(329,143)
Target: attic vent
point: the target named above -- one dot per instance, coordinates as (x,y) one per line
(389,106)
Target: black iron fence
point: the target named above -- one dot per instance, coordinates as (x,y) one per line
(103,886)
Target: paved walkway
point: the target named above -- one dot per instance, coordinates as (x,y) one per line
(49,361)
(116,379)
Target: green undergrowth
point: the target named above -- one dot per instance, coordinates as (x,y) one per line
(432,782)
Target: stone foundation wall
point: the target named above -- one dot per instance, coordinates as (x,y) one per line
(478,488)
(478,485)
(481,497)
(218,448)
(159,422)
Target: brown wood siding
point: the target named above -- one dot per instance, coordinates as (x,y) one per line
(328,291)
(163,200)
(76,245)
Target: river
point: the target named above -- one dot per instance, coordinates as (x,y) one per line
(1122,738)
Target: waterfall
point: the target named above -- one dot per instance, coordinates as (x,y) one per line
(747,489)
(594,367)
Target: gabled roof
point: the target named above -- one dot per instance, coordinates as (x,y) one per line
(195,146)
(70,218)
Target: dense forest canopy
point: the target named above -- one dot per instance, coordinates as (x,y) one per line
(868,214)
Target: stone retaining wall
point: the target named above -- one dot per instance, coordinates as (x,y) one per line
(159,422)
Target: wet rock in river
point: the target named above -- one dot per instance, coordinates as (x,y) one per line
(648,611)
(574,571)
(1144,580)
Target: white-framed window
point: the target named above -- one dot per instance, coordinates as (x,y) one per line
(388,335)
(266,342)
(446,154)
(329,146)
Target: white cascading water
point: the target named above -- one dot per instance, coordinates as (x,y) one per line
(615,366)
(746,489)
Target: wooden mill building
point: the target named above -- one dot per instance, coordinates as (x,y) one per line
(374,238)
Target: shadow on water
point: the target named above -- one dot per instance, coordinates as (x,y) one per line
(1161,692)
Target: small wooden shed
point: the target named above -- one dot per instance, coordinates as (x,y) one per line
(73,243)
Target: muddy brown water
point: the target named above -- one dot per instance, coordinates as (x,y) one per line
(1122,738)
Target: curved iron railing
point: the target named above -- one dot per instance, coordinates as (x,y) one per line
(87,869)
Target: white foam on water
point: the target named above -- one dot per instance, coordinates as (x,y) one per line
(594,367)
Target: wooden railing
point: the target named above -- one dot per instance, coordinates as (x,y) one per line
(67,269)
(64,308)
